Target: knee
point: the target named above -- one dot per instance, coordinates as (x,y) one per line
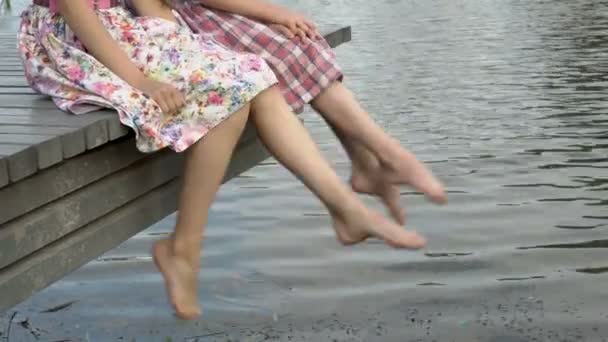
(328,97)
(270,98)
(238,119)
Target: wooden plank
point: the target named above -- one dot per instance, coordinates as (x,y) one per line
(115,128)
(86,132)
(13,72)
(28,233)
(73,174)
(34,130)
(73,142)
(16,90)
(338,35)
(85,128)
(63,120)
(60,180)
(48,149)
(21,160)
(52,116)
(12,81)
(26,101)
(41,268)
(37,271)
(3,173)
(97,134)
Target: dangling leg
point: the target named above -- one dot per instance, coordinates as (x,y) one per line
(372,150)
(366,176)
(178,257)
(290,143)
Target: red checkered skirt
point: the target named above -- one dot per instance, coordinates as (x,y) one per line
(304,69)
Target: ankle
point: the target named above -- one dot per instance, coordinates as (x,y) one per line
(347,207)
(187,250)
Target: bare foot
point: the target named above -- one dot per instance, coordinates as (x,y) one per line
(371,182)
(180,280)
(382,179)
(360,223)
(402,167)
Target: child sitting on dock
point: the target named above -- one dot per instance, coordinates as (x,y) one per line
(181,90)
(307,71)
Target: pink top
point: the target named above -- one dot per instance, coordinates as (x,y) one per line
(96,4)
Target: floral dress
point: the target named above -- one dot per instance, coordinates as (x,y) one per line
(304,68)
(216,81)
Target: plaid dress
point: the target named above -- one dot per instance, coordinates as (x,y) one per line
(304,69)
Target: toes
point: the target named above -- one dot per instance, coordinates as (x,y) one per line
(180,281)
(395,235)
(405,240)
(411,240)
(391,197)
(416,174)
(188,313)
(431,187)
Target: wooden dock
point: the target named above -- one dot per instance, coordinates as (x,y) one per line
(73,187)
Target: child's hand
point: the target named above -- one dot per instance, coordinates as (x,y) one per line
(170,99)
(298,25)
(282,29)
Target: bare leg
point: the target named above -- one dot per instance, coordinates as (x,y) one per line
(366,176)
(290,143)
(362,136)
(178,257)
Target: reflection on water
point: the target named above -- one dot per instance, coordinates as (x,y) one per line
(506,101)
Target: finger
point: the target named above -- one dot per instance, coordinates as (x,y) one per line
(301,34)
(178,99)
(171,103)
(312,28)
(304,29)
(293,27)
(285,31)
(161,102)
(317,33)
(310,23)
(310,32)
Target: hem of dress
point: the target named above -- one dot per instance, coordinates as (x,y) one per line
(198,137)
(298,107)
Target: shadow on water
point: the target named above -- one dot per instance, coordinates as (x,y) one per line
(588,244)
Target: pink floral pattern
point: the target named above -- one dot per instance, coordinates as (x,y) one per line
(216,81)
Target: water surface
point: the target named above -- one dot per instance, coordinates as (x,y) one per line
(506,101)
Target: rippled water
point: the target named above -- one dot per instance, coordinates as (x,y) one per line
(507,102)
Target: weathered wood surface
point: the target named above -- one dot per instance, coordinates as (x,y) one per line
(79,243)
(26,148)
(73,187)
